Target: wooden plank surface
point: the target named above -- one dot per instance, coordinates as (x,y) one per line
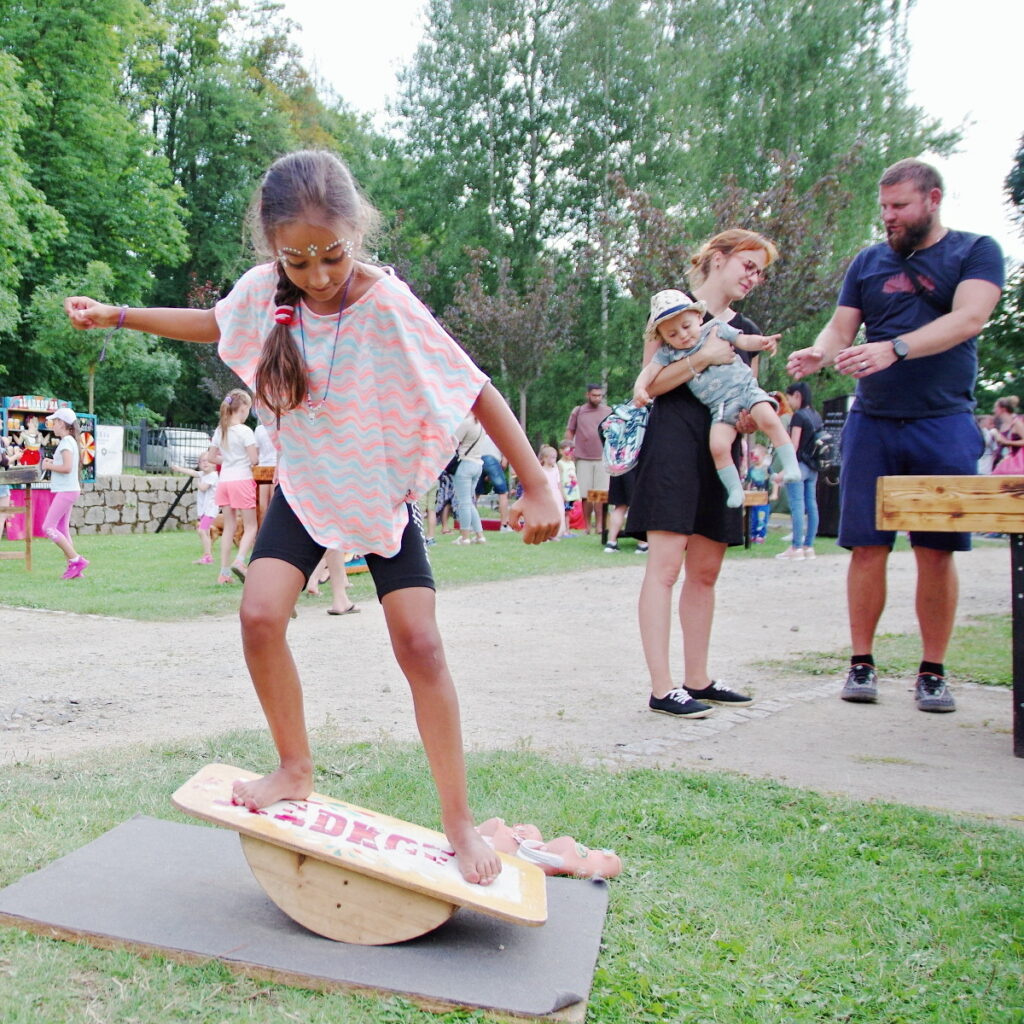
(341,904)
(398,852)
(26,511)
(983,504)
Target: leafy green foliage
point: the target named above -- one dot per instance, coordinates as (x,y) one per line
(101,371)
(511,334)
(537,127)
(88,157)
(28,226)
(1015,184)
(1001,343)
(135,131)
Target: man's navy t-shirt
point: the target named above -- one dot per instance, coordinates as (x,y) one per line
(879,286)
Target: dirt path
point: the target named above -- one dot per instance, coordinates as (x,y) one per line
(510,645)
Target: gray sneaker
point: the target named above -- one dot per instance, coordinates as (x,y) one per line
(861,686)
(932,694)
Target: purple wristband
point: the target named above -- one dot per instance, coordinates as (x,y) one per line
(121,317)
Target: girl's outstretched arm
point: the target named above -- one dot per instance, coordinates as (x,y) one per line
(542,518)
(181,324)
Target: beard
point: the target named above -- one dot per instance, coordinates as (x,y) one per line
(905,238)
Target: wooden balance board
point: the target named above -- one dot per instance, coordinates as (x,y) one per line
(352,874)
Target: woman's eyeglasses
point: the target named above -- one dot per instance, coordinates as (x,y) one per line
(750,268)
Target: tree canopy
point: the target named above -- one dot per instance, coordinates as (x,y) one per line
(549,163)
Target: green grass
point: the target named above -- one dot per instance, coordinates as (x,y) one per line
(149,576)
(979,652)
(740,901)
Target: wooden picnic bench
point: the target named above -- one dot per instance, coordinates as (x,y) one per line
(25,510)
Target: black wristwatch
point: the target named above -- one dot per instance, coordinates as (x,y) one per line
(900,349)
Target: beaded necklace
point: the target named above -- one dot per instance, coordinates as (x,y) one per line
(313,408)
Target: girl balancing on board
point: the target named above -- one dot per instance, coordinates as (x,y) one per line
(362,390)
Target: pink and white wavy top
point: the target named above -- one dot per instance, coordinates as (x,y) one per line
(400,387)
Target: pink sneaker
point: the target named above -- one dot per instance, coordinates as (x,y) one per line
(205,560)
(75,568)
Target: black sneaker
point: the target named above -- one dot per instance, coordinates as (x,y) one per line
(679,704)
(932,694)
(718,694)
(861,686)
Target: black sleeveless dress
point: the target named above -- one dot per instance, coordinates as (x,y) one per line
(676,488)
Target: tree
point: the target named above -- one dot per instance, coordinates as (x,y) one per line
(519,115)
(809,80)
(1015,185)
(511,333)
(1001,342)
(29,227)
(484,121)
(89,158)
(106,372)
(222,90)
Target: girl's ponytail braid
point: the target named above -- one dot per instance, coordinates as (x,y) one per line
(281,381)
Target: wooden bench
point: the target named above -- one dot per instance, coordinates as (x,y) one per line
(960,504)
(25,510)
(264,477)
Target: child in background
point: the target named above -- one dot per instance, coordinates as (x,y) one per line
(65,488)
(989,434)
(207,508)
(332,568)
(726,390)
(570,485)
(267,457)
(333,343)
(234,447)
(5,490)
(759,476)
(547,455)
(443,503)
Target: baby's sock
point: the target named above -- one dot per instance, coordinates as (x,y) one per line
(730,478)
(790,466)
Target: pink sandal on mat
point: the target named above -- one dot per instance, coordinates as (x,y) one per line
(564,856)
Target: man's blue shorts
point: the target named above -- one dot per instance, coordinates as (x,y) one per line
(872,447)
(493,472)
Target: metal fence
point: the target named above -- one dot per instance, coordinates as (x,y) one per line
(156,449)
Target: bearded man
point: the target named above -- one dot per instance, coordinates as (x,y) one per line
(922,297)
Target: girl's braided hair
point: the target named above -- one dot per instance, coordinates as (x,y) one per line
(306,185)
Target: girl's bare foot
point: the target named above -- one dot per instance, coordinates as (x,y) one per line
(284,784)
(478,863)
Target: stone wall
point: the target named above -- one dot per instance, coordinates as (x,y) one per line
(133,504)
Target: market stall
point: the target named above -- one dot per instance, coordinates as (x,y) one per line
(27,441)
